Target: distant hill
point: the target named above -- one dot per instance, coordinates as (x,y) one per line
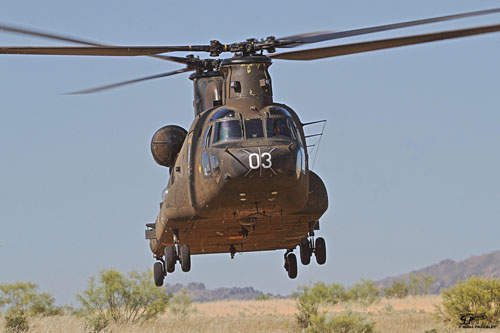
(199,293)
(447,272)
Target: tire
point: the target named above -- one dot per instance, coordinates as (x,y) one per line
(170,258)
(320,251)
(292,265)
(159,274)
(305,251)
(185,258)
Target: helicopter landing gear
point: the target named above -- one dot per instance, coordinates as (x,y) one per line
(310,246)
(320,250)
(185,258)
(291,264)
(159,273)
(170,258)
(305,251)
(174,253)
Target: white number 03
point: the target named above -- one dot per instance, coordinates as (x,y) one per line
(256,161)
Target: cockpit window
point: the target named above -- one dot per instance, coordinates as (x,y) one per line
(223,113)
(206,138)
(278,111)
(227,130)
(279,127)
(253,128)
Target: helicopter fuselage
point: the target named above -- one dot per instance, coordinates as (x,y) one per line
(241,178)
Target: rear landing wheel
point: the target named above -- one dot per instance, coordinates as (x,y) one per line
(185,258)
(170,258)
(320,250)
(291,265)
(159,274)
(305,251)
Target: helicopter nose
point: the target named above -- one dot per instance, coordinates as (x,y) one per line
(278,164)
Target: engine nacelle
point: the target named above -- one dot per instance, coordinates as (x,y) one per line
(167,143)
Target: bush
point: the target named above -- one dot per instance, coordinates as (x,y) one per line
(346,322)
(399,289)
(471,303)
(262,297)
(364,292)
(23,298)
(16,323)
(308,303)
(309,300)
(122,299)
(418,284)
(181,304)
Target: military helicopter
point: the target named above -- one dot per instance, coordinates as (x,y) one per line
(240,178)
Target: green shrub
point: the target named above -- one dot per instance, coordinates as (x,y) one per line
(471,303)
(16,322)
(181,304)
(122,299)
(420,284)
(364,292)
(345,322)
(399,289)
(309,299)
(262,297)
(308,303)
(23,298)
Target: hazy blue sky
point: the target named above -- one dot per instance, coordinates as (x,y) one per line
(410,156)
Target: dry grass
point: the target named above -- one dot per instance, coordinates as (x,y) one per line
(408,315)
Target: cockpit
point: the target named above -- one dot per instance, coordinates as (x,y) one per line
(229,125)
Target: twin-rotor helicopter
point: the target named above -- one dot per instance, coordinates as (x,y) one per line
(240,177)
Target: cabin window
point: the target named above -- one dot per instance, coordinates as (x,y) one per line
(224,114)
(279,128)
(279,111)
(215,163)
(253,128)
(206,138)
(205,163)
(227,130)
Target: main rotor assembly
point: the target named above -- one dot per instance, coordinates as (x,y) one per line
(250,46)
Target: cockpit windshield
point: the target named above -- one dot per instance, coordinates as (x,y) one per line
(227,130)
(228,126)
(279,127)
(254,129)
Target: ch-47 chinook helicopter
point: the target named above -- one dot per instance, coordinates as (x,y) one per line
(239,177)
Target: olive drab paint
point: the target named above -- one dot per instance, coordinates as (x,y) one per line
(241,179)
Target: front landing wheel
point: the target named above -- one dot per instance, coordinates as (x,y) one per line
(185,258)
(170,258)
(305,251)
(320,250)
(291,265)
(159,274)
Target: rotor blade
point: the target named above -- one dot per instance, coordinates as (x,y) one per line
(100,50)
(47,35)
(124,83)
(324,36)
(339,50)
